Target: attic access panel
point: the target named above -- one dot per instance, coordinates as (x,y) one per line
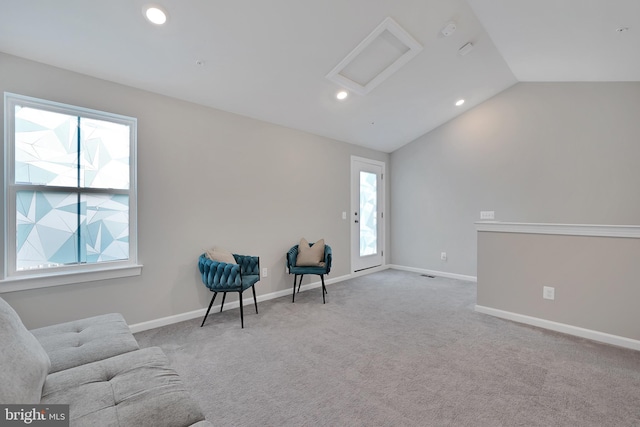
(378,56)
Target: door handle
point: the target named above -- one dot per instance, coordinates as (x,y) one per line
(356,221)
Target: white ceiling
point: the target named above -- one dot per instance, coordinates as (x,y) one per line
(268,59)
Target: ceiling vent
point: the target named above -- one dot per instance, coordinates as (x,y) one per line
(377,57)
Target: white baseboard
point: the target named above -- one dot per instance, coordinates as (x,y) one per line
(169,320)
(562,327)
(434,273)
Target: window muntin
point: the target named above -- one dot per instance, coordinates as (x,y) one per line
(70,188)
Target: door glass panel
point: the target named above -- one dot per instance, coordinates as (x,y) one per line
(368,213)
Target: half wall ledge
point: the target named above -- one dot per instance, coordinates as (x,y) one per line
(593,271)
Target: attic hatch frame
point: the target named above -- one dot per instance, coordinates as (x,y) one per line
(414,47)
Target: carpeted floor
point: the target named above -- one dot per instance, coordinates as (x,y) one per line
(396,349)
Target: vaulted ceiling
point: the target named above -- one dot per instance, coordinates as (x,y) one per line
(269,59)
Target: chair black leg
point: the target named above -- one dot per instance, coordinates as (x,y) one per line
(324,290)
(300,284)
(255,301)
(224,295)
(295,279)
(209,309)
(241,314)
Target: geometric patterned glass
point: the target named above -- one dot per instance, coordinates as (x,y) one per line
(46,148)
(368,213)
(104,162)
(105,231)
(60,228)
(68,225)
(69,151)
(47,229)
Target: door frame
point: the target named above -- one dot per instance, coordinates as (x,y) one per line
(355,205)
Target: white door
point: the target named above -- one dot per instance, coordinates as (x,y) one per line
(367,216)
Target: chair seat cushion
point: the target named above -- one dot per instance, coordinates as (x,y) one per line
(87,340)
(249,280)
(134,389)
(308,270)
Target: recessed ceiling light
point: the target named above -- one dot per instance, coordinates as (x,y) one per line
(155,15)
(342,95)
(459,102)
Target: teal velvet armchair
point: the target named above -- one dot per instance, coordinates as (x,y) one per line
(224,277)
(292,257)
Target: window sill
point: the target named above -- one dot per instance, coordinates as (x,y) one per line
(23,283)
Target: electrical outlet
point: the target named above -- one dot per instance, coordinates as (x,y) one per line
(264,272)
(443,256)
(344,215)
(548,292)
(487,215)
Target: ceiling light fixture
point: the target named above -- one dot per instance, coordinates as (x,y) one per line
(342,95)
(155,15)
(459,102)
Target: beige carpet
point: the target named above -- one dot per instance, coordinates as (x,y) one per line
(396,349)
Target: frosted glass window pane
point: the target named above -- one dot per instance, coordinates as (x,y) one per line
(48,233)
(70,198)
(105,154)
(46,147)
(105,232)
(47,229)
(368,213)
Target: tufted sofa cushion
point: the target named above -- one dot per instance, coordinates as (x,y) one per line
(23,362)
(87,340)
(134,389)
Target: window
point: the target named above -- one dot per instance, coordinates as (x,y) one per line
(70,194)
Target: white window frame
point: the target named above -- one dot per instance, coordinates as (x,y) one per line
(13,280)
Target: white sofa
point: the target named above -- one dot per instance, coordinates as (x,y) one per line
(96,367)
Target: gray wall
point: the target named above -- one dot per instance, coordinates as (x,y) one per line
(595,279)
(205,177)
(537,152)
